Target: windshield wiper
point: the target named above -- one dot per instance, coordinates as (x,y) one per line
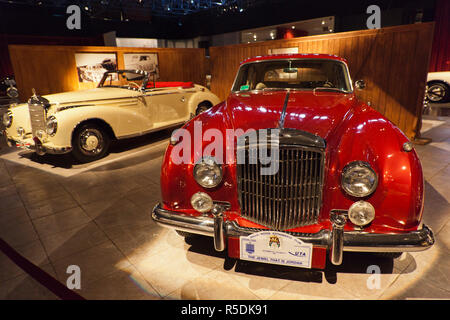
(329,89)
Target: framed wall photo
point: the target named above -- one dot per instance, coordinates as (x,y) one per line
(142,61)
(92,66)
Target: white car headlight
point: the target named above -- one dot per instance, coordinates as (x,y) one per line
(51,125)
(208,173)
(361,213)
(7,119)
(359,179)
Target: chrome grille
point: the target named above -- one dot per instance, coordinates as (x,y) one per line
(37,117)
(290,198)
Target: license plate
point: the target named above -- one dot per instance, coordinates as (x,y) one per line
(276,248)
(22,145)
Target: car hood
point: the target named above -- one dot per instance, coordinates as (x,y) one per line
(90,95)
(319,113)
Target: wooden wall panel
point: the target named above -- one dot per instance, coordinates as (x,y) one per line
(393,61)
(52,69)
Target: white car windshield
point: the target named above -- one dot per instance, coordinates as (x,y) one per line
(128,79)
(300,74)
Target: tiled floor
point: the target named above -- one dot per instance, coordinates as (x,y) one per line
(58,213)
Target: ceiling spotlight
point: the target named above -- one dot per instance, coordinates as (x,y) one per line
(293,27)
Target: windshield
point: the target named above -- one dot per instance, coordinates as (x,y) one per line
(127,79)
(301,74)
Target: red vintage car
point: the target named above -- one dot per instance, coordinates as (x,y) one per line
(345,177)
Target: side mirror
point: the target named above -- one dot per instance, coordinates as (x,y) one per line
(360,84)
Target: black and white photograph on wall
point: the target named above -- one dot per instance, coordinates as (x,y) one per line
(142,61)
(92,66)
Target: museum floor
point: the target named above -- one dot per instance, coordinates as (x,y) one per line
(97,216)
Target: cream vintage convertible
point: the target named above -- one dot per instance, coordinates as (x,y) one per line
(125,104)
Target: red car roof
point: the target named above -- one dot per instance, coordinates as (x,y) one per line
(294,56)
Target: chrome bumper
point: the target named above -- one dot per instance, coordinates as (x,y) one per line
(36,145)
(336,240)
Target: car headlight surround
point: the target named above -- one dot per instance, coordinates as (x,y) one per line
(359,179)
(208,173)
(51,126)
(7,119)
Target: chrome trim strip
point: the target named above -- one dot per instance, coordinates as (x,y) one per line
(353,241)
(283,112)
(105,99)
(133,135)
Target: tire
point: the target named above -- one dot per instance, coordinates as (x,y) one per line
(90,142)
(437,92)
(202,107)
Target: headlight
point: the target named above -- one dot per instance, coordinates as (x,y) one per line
(208,173)
(201,202)
(7,119)
(51,125)
(361,213)
(359,179)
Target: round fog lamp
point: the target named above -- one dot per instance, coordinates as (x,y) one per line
(201,202)
(361,213)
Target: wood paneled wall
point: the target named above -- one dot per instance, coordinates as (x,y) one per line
(393,61)
(52,69)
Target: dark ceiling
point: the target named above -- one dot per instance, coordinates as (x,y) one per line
(177,19)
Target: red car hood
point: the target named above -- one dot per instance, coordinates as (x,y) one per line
(319,113)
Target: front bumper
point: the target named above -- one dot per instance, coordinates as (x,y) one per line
(35,144)
(335,241)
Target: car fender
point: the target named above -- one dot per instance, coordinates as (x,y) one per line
(123,121)
(199,97)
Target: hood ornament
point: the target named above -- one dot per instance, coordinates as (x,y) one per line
(38,100)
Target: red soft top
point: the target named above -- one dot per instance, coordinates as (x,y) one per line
(168,84)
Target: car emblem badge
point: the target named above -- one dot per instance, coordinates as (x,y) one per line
(274,240)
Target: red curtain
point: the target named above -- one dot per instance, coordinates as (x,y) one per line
(440,52)
(5,40)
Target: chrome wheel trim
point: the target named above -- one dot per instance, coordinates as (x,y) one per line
(91,142)
(435,92)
